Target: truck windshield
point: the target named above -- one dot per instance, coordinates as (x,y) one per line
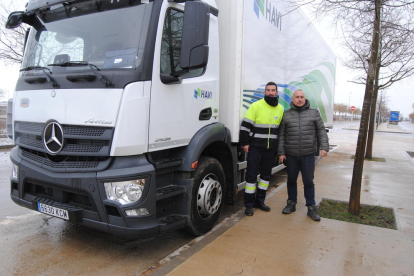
(109,37)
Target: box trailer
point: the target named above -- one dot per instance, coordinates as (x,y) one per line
(126,114)
(394,117)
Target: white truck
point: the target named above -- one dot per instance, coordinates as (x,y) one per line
(126,113)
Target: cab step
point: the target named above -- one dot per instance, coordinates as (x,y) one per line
(171,222)
(169,191)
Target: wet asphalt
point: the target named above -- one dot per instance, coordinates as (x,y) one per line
(37,244)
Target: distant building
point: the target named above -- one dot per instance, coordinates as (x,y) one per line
(3,108)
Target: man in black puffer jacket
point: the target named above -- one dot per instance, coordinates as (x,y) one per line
(301,132)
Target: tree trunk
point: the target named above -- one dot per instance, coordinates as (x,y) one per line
(371,131)
(355,196)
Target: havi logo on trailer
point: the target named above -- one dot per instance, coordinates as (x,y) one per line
(265,8)
(198,93)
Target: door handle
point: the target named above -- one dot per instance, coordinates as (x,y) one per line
(205,114)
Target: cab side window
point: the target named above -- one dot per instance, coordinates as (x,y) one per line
(171,45)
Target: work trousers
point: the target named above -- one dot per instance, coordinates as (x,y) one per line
(258,161)
(305,165)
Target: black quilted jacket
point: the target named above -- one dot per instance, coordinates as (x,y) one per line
(301,131)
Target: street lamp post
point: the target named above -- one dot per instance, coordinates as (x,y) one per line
(349,102)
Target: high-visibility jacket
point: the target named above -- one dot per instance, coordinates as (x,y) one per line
(259,127)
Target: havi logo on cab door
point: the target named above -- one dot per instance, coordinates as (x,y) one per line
(198,93)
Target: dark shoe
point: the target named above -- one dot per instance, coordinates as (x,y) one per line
(262,207)
(249,211)
(290,207)
(313,213)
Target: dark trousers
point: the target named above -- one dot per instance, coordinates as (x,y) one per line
(258,161)
(305,165)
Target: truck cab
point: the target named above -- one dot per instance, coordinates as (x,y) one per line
(126,114)
(115,116)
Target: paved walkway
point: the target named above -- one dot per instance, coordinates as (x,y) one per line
(384,127)
(277,244)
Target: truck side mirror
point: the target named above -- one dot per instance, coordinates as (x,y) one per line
(194,47)
(14,20)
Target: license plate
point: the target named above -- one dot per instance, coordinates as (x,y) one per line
(53,211)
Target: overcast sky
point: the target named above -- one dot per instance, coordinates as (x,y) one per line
(400,95)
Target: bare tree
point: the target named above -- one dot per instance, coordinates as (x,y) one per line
(340,108)
(395,56)
(411,116)
(11,40)
(355,196)
(365,16)
(382,107)
(396,48)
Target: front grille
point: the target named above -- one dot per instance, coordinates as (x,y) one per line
(33,127)
(31,140)
(83,131)
(68,163)
(84,148)
(79,140)
(63,195)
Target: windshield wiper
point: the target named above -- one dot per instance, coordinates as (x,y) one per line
(43,69)
(93,67)
(70,63)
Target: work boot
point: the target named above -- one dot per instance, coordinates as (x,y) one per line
(262,206)
(313,213)
(290,207)
(249,211)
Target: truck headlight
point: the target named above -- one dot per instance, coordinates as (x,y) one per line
(125,192)
(15,172)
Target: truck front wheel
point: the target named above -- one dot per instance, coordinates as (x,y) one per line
(207,196)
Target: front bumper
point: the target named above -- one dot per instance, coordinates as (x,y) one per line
(83,194)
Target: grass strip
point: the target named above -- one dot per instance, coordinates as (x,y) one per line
(368,215)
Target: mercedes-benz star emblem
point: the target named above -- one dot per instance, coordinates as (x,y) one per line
(53,138)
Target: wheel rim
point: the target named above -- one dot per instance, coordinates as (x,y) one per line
(209,196)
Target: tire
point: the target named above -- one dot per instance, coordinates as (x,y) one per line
(207,196)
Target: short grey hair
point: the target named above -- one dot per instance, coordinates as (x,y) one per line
(297,90)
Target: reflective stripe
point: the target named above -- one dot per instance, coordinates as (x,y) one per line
(264,181)
(265,126)
(263,186)
(248,120)
(244,128)
(250,188)
(272,136)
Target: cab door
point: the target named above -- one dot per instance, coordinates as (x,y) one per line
(179,107)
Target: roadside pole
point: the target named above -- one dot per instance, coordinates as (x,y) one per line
(352,108)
